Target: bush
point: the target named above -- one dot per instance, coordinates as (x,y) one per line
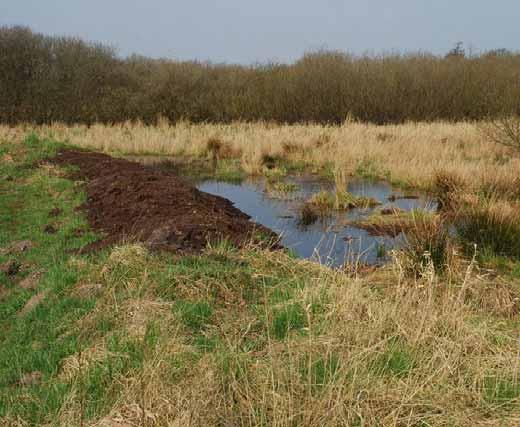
(504,130)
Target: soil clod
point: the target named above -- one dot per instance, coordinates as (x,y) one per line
(10,267)
(50,229)
(55,212)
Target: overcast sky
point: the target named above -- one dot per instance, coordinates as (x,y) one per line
(247,31)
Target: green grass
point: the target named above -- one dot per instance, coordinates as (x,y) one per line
(396,360)
(39,340)
(500,391)
(326,201)
(286,319)
(229,170)
(381,251)
(516,270)
(368,168)
(195,315)
(321,371)
(280,189)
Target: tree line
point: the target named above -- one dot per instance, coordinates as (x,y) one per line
(46,79)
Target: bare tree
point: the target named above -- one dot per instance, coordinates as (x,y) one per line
(505,131)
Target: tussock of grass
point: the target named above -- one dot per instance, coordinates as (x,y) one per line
(307,215)
(326,201)
(491,224)
(288,318)
(428,245)
(392,224)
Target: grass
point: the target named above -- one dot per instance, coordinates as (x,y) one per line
(289,318)
(414,155)
(195,315)
(428,244)
(395,361)
(236,336)
(325,201)
(500,391)
(493,225)
(280,189)
(392,222)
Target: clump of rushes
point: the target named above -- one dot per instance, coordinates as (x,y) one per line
(491,224)
(307,216)
(280,189)
(213,146)
(448,188)
(389,224)
(326,201)
(427,244)
(217,149)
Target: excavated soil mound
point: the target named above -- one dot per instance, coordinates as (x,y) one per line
(128,201)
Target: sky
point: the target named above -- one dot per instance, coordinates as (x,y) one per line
(251,31)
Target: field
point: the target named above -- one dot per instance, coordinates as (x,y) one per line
(244,335)
(411,154)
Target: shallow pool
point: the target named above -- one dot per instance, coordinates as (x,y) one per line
(330,240)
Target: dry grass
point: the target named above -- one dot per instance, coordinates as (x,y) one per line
(379,350)
(411,154)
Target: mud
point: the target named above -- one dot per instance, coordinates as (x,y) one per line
(127,201)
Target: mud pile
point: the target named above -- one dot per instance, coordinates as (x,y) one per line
(128,201)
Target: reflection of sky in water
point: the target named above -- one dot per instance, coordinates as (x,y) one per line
(329,241)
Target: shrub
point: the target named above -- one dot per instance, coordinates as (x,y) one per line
(504,130)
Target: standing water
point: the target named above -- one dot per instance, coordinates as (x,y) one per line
(331,240)
(334,239)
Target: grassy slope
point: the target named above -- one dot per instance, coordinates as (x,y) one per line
(237,336)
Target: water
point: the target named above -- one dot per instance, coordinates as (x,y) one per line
(330,240)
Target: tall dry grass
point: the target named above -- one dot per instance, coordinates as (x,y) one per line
(410,154)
